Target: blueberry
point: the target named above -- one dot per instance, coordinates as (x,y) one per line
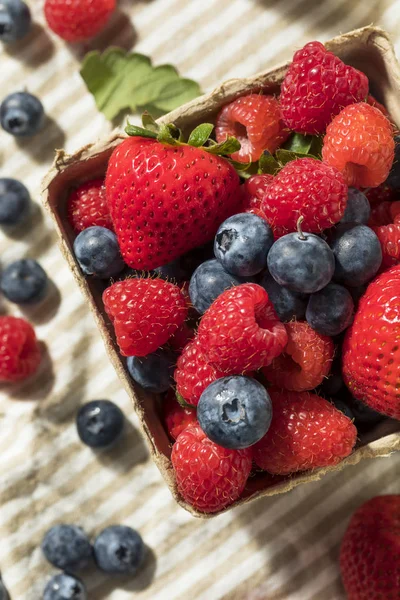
(64,587)
(357,293)
(288,305)
(209,281)
(24,282)
(100,423)
(393,179)
(67,547)
(365,415)
(173,271)
(3,592)
(153,372)
(119,549)
(344,408)
(181,269)
(357,252)
(15,20)
(97,252)
(358,209)
(22,114)
(303,262)
(15,202)
(331,310)
(235,412)
(242,244)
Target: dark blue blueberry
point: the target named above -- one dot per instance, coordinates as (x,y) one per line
(22,114)
(242,244)
(64,587)
(358,209)
(97,252)
(181,269)
(358,254)
(288,305)
(15,202)
(209,281)
(331,310)
(393,179)
(357,293)
(100,423)
(344,408)
(3,592)
(235,412)
(173,271)
(153,372)
(15,20)
(118,550)
(303,262)
(67,547)
(364,414)
(24,282)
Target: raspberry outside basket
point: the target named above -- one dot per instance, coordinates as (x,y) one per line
(368,49)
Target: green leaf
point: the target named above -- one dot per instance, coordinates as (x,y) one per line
(183,402)
(268,164)
(169,134)
(121,81)
(149,122)
(134,130)
(284,156)
(299,143)
(200,135)
(316,146)
(229,146)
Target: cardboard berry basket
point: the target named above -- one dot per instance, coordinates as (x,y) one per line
(367,49)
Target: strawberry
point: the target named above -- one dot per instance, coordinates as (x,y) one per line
(166,198)
(370,551)
(371,350)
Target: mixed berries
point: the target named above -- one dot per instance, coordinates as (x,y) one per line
(240,276)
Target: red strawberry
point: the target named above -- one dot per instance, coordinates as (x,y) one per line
(177,418)
(145,313)
(165,200)
(307,359)
(77,20)
(371,350)
(306,432)
(240,331)
(208,476)
(370,551)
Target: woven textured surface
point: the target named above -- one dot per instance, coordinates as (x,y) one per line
(280,548)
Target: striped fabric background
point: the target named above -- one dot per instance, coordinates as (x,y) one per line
(283,548)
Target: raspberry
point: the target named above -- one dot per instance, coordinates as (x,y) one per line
(255,121)
(380,194)
(380,215)
(254,190)
(316,87)
(306,432)
(78,20)
(194,373)
(389,238)
(395,210)
(19,349)
(370,551)
(309,188)
(306,361)
(145,313)
(240,331)
(208,476)
(374,102)
(87,206)
(176,417)
(359,142)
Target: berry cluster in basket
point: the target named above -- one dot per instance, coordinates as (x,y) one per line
(254,278)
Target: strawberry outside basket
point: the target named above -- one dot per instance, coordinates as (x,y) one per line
(368,49)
